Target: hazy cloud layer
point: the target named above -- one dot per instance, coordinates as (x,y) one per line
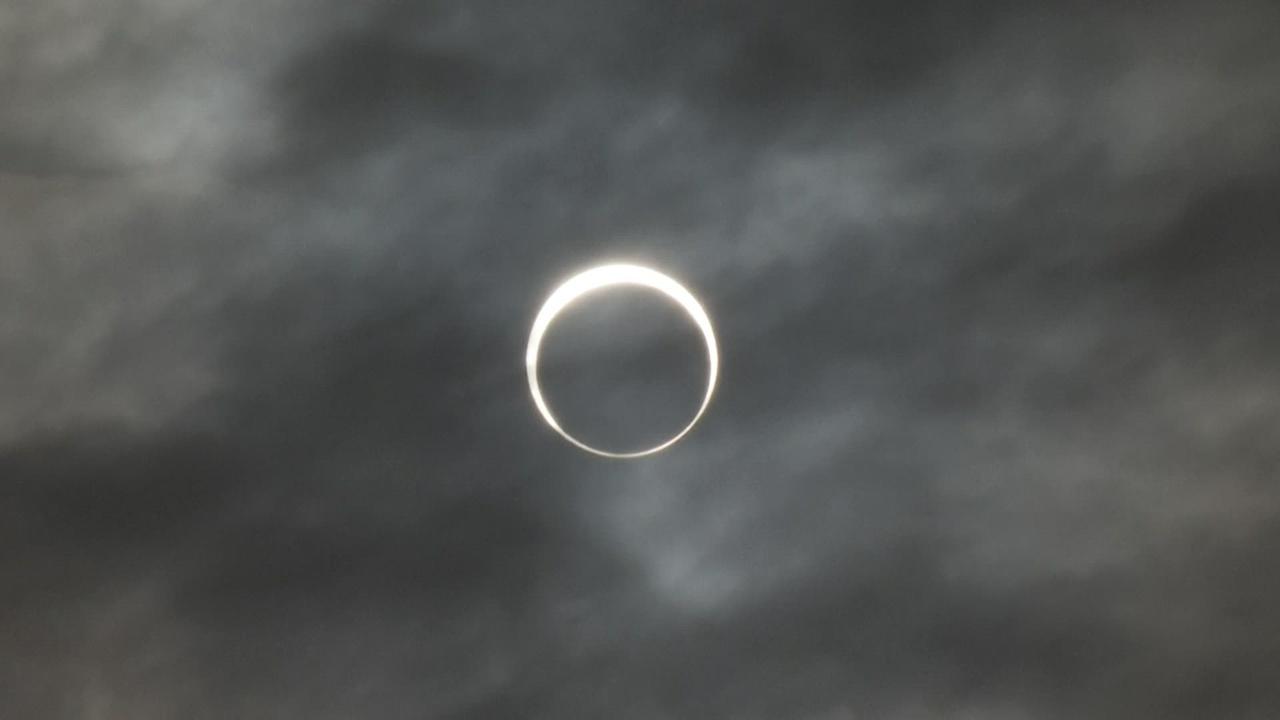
(998,433)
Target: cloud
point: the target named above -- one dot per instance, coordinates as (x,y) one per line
(994,291)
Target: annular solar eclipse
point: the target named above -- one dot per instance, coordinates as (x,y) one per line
(600,279)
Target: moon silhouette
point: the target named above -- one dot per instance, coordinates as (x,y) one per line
(601,278)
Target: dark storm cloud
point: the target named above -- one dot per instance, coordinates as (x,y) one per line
(997,430)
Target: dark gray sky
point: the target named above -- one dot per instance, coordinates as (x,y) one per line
(998,433)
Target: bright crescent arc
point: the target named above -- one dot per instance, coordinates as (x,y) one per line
(607,276)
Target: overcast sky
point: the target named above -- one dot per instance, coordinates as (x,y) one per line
(998,294)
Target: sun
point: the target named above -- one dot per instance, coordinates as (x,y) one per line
(598,279)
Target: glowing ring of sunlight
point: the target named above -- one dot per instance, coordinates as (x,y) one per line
(611,276)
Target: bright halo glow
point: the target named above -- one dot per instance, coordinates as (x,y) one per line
(608,276)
